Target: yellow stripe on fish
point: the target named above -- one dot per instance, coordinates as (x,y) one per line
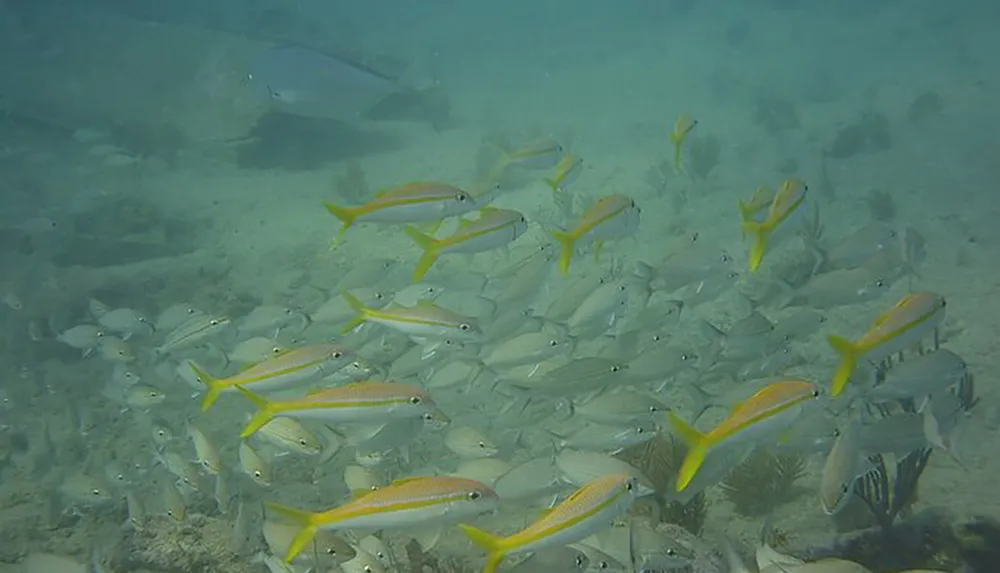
(411,203)
(682,127)
(771,404)
(422,320)
(612,217)
(789,198)
(415,501)
(589,509)
(493,229)
(567,170)
(903,326)
(371,401)
(288,368)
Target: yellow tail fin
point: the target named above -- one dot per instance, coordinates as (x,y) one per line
(552,183)
(346,215)
(358,307)
(759,231)
(211,383)
(304,519)
(848,362)
(697,451)
(566,243)
(263,415)
(430,256)
(489,542)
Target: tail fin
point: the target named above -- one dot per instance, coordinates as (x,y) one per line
(489,542)
(358,307)
(211,383)
(848,362)
(746,214)
(305,520)
(566,243)
(759,231)
(430,256)
(552,183)
(346,215)
(697,451)
(261,417)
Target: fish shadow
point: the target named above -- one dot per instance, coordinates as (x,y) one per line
(294,143)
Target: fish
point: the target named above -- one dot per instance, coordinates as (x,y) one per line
(255,350)
(541,153)
(920,377)
(279,537)
(567,170)
(841,469)
(787,200)
(425,320)
(369,401)
(196,330)
(904,325)
(769,411)
(495,228)
(417,501)
(289,435)
(254,466)
(611,217)
(126,322)
(205,452)
(411,203)
(682,128)
(760,201)
(586,511)
(305,82)
(285,370)
(469,443)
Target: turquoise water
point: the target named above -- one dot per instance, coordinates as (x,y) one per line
(164,169)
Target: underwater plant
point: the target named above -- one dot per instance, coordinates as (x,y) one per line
(763,481)
(659,459)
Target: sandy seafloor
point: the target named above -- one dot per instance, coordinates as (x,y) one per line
(614,102)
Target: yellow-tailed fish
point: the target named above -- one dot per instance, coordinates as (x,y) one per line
(612,217)
(371,401)
(766,413)
(789,198)
(495,228)
(567,170)
(421,321)
(682,127)
(586,511)
(287,369)
(411,203)
(903,326)
(760,201)
(416,501)
(541,153)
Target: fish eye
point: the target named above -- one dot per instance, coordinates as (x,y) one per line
(844,488)
(629,486)
(602,564)
(368,569)
(302,442)
(482,445)
(578,561)
(553,343)
(879,283)
(95,491)
(944,303)
(415,400)
(337,354)
(685,357)
(474,495)
(671,552)
(639,430)
(213,322)
(657,338)
(615,368)
(256,474)
(815,393)
(331,551)
(464,327)
(725,258)
(653,409)
(462,197)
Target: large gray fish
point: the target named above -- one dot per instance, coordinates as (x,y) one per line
(305,82)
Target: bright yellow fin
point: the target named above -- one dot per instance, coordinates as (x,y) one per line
(566,242)
(210,382)
(430,256)
(261,417)
(757,250)
(346,215)
(848,362)
(492,544)
(697,451)
(357,306)
(304,519)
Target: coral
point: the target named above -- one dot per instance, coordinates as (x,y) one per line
(925,107)
(881,205)
(704,152)
(197,545)
(352,186)
(868,134)
(762,482)
(659,459)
